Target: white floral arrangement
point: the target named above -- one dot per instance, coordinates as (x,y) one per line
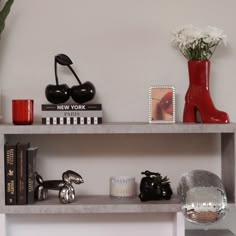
(198,44)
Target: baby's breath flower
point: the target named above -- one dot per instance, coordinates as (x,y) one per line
(197,44)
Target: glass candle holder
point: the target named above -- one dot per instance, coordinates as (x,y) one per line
(22,111)
(122,186)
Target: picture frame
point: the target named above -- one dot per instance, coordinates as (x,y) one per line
(162,104)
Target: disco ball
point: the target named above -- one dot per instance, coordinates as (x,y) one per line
(202,196)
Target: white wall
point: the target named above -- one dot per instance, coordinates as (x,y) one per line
(123,47)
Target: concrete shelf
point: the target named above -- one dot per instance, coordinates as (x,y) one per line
(213,232)
(119,128)
(96,204)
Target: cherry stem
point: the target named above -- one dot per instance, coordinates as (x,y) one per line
(56,77)
(76,76)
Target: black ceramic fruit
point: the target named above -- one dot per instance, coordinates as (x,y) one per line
(81,93)
(58,93)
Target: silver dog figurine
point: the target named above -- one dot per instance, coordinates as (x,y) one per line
(66,190)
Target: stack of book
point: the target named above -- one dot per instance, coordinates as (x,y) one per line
(20,164)
(71,114)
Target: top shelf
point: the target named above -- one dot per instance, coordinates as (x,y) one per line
(119,128)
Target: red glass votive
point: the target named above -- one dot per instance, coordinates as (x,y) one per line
(22,111)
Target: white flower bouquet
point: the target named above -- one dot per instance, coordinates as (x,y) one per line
(198,44)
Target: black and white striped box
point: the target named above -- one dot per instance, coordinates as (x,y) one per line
(71,120)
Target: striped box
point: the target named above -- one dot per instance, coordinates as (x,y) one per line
(71,120)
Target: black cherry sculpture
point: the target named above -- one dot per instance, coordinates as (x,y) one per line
(60,93)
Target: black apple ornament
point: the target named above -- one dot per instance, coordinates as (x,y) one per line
(81,93)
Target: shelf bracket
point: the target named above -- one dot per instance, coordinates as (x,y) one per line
(228,164)
(179,224)
(3,225)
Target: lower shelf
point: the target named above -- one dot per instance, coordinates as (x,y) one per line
(213,232)
(95,204)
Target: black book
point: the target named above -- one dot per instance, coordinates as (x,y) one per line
(10,173)
(21,173)
(31,168)
(71,107)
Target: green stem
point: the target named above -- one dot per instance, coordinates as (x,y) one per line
(183,54)
(214,49)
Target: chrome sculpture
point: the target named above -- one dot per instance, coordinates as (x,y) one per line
(203,197)
(64,186)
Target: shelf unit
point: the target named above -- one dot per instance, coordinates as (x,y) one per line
(106,204)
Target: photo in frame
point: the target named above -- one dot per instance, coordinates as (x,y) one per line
(162,104)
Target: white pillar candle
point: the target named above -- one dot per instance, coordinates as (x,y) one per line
(122,186)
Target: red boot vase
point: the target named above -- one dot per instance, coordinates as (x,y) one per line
(198,99)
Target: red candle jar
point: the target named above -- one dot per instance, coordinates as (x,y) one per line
(22,111)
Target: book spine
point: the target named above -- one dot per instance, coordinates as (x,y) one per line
(71,107)
(10,174)
(21,173)
(31,168)
(71,120)
(71,113)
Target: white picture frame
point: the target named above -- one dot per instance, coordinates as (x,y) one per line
(162,104)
